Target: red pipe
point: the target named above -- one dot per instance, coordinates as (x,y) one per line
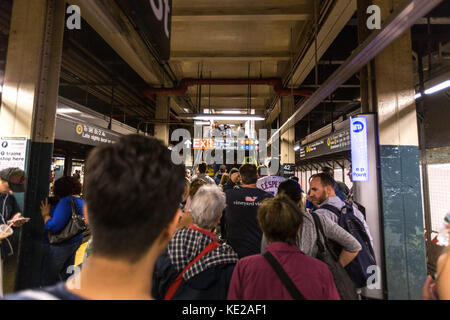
(186,83)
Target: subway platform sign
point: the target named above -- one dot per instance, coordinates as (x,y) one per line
(336,142)
(359,149)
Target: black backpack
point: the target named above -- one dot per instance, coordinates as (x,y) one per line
(358,268)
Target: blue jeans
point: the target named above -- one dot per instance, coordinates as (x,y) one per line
(56,260)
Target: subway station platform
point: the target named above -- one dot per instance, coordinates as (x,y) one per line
(361,87)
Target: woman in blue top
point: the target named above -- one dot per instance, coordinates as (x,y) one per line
(58,257)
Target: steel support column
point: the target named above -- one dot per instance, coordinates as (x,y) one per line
(29,109)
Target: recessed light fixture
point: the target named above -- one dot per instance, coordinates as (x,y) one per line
(67,110)
(206,117)
(230,112)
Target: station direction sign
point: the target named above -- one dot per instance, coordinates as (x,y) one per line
(226,143)
(333,143)
(360,154)
(288,170)
(83,132)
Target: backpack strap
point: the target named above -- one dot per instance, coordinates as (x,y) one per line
(176,284)
(331,208)
(319,230)
(284,277)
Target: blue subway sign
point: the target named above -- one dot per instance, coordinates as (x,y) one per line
(359,149)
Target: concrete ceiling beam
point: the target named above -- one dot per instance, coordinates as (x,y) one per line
(228,57)
(339,16)
(398,22)
(109,21)
(236,16)
(337,19)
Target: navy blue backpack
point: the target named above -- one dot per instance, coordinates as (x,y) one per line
(357,269)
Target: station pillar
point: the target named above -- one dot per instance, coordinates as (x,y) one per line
(162,115)
(401,200)
(287,139)
(28,110)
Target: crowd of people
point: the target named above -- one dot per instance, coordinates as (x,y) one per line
(158,232)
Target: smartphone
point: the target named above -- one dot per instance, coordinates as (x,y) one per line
(19,219)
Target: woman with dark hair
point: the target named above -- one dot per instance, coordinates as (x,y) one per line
(58,257)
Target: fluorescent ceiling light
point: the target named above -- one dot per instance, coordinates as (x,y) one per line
(212,117)
(67,110)
(439,87)
(418,95)
(230,112)
(296,148)
(202,123)
(219,117)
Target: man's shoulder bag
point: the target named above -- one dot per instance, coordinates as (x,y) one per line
(343,282)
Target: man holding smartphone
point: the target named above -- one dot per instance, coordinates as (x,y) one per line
(11,180)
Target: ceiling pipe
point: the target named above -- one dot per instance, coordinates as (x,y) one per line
(181,90)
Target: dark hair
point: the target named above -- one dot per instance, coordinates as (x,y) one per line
(325,179)
(296,179)
(224,179)
(66,186)
(327,170)
(291,189)
(234,170)
(133,191)
(195,185)
(280,219)
(202,167)
(248,173)
(223,168)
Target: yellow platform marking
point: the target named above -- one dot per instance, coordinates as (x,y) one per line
(80,254)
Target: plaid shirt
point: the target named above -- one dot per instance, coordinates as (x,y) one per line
(188,243)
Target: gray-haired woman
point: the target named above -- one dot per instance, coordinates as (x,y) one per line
(195,266)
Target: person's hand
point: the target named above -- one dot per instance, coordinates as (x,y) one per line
(18,224)
(428,289)
(45,209)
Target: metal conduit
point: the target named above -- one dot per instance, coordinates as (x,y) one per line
(185,83)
